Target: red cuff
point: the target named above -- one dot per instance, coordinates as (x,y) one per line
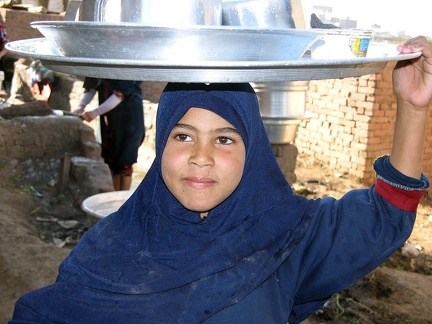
(407,200)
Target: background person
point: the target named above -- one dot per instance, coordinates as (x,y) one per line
(3,51)
(121,124)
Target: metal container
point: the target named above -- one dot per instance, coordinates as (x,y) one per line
(175,46)
(169,13)
(282,99)
(281,130)
(257,13)
(282,107)
(341,44)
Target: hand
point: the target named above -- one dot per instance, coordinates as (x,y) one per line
(88,116)
(412,79)
(412,84)
(79,111)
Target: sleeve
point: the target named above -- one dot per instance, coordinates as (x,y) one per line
(91,83)
(352,236)
(125,87)
(87,97)
(401,191)
(107,105)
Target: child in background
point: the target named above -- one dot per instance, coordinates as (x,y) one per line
(121,124)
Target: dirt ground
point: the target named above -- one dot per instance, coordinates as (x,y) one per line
(38,227)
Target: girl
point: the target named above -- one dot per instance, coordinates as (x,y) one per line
(214,233)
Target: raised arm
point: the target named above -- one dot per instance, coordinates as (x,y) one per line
(412,84)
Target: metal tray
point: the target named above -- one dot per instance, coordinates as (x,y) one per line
(208,71)
(127,41)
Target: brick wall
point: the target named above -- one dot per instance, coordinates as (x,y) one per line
(353,125)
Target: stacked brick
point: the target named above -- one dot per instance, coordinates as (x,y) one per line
(353,125)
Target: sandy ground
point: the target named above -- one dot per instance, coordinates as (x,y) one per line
(398,293)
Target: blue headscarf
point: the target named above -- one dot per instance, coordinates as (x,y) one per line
(154,261)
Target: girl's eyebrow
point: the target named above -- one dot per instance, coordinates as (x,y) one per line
(187,126)
(217,130)
(227,130)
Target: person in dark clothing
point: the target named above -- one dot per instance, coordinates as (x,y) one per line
(215,234)
(121,124)
(3,51)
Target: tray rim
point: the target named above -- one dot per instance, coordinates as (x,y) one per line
(208,72)
(305,61)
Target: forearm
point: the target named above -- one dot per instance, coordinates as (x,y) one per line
(87,98)
(408,141)
(107,105)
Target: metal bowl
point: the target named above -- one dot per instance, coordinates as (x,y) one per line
(176,45)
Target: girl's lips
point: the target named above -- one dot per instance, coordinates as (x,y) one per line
(199,183)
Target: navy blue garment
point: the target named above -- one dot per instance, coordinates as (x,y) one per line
(262,255)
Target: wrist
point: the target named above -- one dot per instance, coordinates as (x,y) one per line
(417,105)
(94,114)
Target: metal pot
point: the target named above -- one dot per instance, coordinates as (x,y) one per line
(281,130)
(162,13)
(282,99)
(171,13)
(282,107)
(257,13)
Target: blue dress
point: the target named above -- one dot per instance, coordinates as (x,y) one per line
(263,255)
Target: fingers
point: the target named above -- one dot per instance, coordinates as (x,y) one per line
(88,116)
(78,111)
(415,40)
(412,79)
(416,44)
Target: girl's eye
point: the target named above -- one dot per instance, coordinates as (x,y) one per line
(224,140)
(183,137)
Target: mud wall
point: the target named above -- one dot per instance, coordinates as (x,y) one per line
(22,138)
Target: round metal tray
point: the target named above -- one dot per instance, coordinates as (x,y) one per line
(126,41)
(208,71)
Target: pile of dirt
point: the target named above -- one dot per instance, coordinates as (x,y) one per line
(39,226)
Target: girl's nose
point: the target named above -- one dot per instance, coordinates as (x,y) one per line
(202,155)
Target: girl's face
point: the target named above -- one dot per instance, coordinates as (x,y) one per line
(203,160)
